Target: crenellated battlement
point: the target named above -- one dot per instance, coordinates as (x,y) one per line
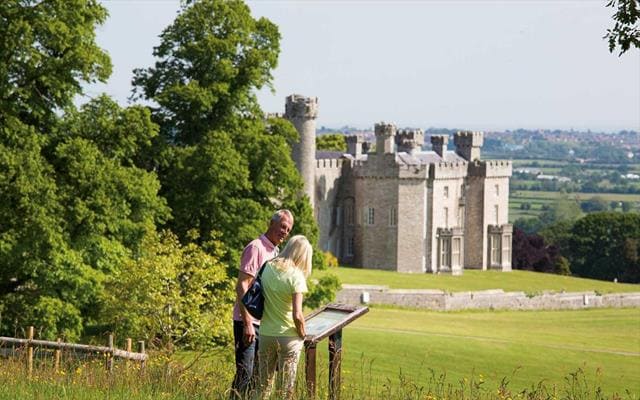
(298,106)
(273,115)
(448,170)
(468,144)
(334,163)
(491,168)
(384,129)
(409,140)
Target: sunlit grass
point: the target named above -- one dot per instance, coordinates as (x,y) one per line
(472,280)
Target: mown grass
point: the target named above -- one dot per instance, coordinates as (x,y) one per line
(525,347)
(399,354)
(474,280)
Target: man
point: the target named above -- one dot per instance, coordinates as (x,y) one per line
(245,327)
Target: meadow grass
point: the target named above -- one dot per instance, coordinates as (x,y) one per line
(474,280)
(397,354)
(525,347)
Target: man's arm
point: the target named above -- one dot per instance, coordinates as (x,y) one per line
(244,281)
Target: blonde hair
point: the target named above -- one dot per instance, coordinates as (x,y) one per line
(296,254)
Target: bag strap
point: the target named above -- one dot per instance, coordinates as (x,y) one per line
(261,270)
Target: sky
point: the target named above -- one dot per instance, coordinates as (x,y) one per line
(474,64)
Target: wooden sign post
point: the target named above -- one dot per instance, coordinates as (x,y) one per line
(328,321)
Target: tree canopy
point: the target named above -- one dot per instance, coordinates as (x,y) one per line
(224,167)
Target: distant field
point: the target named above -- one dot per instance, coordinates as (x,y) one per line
(541,195)
(539,198)
(472,280)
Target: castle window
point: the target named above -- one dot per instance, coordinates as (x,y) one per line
(445,252)
(456,258)
(446,192)
(462,191)
(393,216)
(497,187)
(496,212)
(506,248)
(446,217)
(495,250)
(338,216)
(349,215)
(369,216)
(350,245)
(461,216)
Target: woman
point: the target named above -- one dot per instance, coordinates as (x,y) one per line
(282,329)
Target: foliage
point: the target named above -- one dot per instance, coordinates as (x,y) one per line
(528,225)
(224,168)
(332,142)
(626,31)
(47,49)
(330,259)
(603,245)
(322,291)
(531,253)
(73,205)
(594,204)
(171,295)
(563,209)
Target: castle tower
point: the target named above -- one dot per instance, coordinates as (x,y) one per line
(354,145)
(302,112)
(385,134)
(410,140)
(439,144)
(468,144)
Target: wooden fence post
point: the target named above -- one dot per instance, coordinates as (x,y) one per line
(110,354)
(141,351)
(56,364)
(30,331)
(128,348)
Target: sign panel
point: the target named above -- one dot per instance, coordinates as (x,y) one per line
(330,319)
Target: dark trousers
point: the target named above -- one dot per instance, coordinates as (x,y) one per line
(246,358)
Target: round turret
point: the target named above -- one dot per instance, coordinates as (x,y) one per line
(302,112)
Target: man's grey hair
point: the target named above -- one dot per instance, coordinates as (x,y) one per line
(278,215)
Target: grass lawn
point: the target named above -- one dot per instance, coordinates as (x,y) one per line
(472,280)
(525,347)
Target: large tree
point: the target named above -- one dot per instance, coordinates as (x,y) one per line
(47,51)
(605,246)
(224,167)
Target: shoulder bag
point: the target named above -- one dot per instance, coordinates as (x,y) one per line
(253,300)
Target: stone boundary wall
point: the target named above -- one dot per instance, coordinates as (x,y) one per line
(487,299)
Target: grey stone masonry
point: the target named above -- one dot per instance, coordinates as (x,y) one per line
(402,208)
(487,299)
(302,112)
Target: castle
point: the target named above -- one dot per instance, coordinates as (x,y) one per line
(403,209)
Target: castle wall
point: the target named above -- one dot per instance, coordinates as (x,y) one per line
(412,225)
(377,241)
(487,299)
(329,191)
(475,240)
(447,180)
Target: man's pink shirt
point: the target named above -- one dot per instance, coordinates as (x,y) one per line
(253,256)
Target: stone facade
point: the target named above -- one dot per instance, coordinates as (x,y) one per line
(487,299)
(402,208)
